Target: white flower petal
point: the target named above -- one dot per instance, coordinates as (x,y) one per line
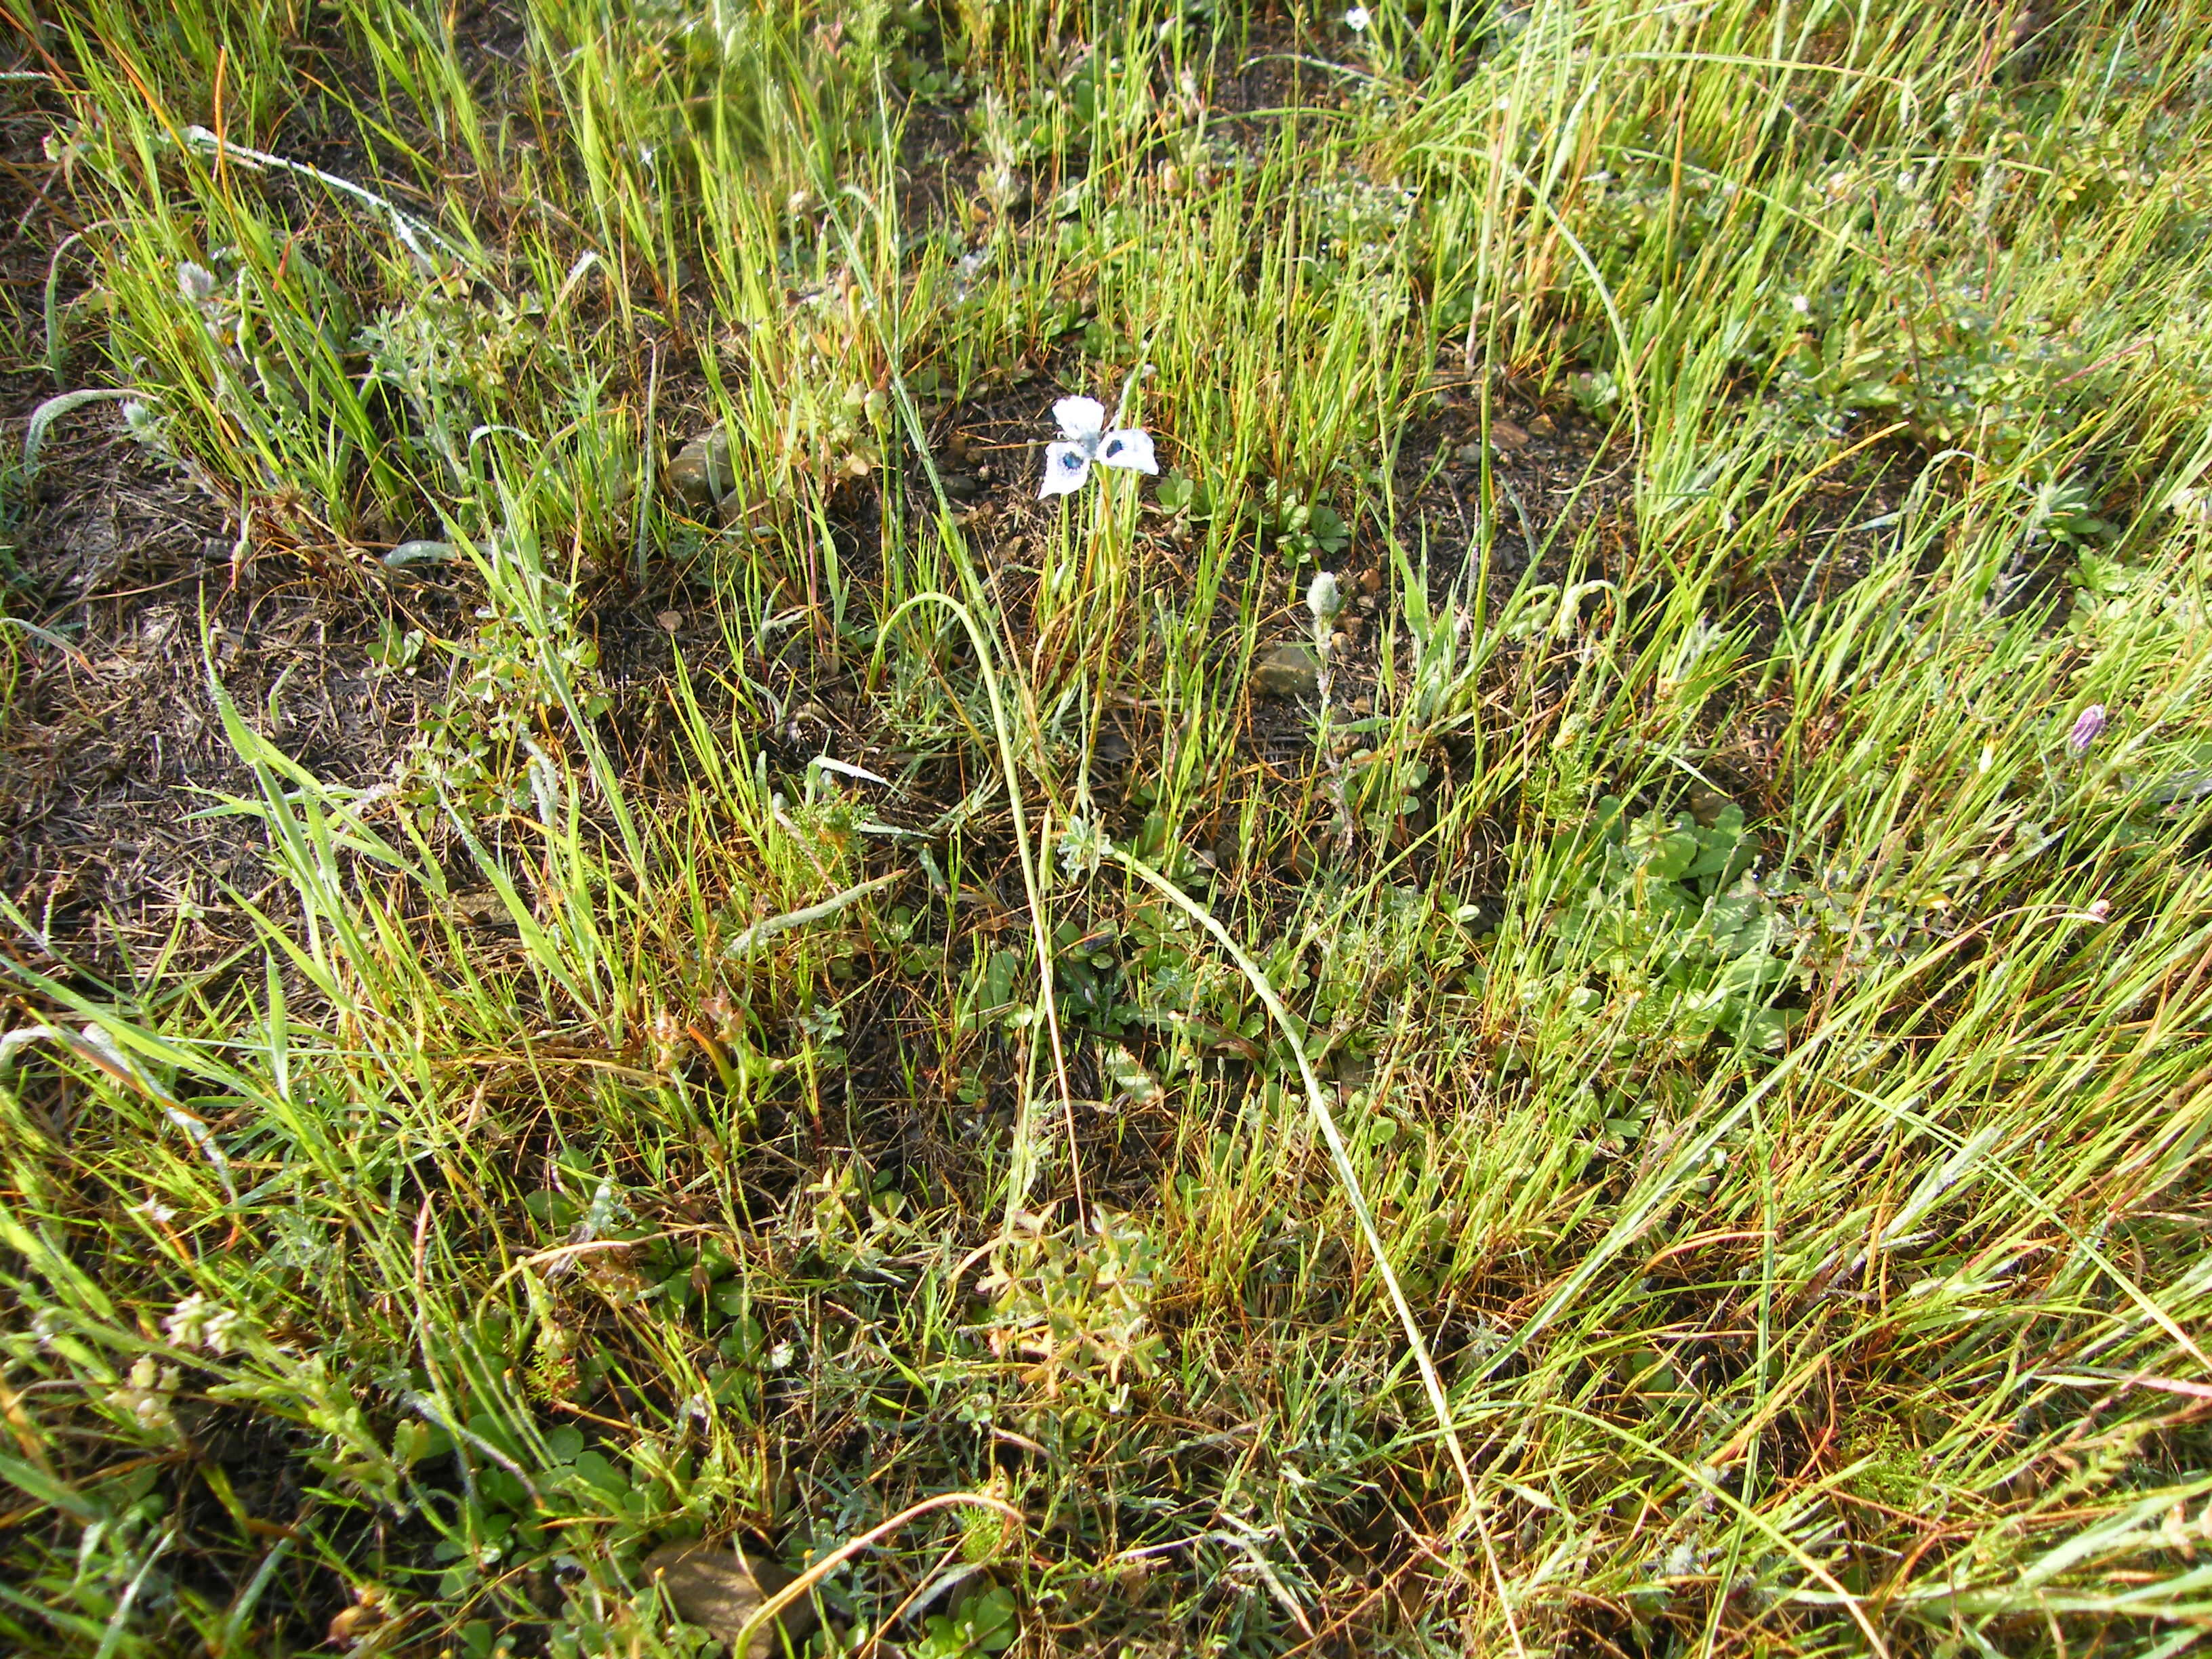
(1129,447)
(1065,467)
(1079,416)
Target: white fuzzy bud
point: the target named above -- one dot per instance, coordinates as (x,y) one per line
(1325,598)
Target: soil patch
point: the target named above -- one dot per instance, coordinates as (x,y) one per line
(114,747)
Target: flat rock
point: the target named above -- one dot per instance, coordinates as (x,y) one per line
(700,475)
(1286,670)
(719,1587)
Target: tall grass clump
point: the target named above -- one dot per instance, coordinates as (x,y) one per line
(1551,997)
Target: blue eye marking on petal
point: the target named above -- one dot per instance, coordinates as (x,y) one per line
(1112,446)
(1072,463)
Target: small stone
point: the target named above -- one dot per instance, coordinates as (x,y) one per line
(671,620)
(483,909)
(1707,805)
(700,475)
(718,1587)
(1508,437)
(1543,426)
(424,552)
(1354,1068)
(961,487)
(1286,670)
(1371,580)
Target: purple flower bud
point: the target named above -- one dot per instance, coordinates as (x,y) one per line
(2086,729)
